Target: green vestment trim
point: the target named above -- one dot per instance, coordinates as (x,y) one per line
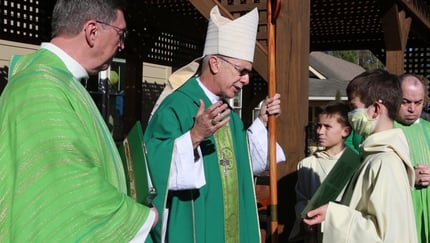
(417,135)
(228,170)
(335,181)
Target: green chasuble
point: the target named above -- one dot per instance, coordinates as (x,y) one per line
(198,215)
(418,136)
(61,176)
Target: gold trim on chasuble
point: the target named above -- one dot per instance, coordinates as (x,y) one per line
(228,174)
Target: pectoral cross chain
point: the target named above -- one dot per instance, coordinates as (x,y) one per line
(224,162)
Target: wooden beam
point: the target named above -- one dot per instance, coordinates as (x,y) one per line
(292,65)
(417,8)
(395,61)
(292,62)
(396,28)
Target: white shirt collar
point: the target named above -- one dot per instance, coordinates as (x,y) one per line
(212,97)
(72,65)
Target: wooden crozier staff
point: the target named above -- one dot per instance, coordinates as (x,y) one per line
(273,7)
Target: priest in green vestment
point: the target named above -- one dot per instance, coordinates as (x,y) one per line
(198,151)
(417,131)
(61,177)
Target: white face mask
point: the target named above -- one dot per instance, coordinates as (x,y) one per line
(360,121)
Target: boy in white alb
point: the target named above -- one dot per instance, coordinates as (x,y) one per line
(332,130)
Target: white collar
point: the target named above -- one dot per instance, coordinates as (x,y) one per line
(212,97)
(72,65)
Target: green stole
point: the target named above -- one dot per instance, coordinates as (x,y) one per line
(418,137)
(335,181)
(227,158)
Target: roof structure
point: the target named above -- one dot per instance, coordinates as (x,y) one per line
(330,67)
(171,32)
(333,75)
(327,89)
(334,25)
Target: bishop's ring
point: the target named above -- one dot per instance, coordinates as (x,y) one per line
(213,122)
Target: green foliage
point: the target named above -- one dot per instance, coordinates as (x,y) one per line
(364,58)
(350,56)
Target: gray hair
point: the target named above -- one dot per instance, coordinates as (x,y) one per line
(69,16)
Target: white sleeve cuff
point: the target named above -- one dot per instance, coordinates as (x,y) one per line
(186,171)
(142,234)
(258,146)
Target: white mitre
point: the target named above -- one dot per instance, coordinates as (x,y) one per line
(233,38)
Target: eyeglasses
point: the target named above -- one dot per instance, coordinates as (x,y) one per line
(122,33)
(242,71)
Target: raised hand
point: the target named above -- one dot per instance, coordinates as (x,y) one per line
(209,121)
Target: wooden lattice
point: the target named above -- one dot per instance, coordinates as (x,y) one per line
(345,24)
(258,85)
(169,33)
(25,21)
(417,61)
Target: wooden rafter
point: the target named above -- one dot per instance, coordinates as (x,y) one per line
(396,27)
(396,30)
(419,10)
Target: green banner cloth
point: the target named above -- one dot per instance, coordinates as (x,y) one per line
(335,181)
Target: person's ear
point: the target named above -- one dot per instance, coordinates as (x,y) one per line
(214,64)
(346,131)
(90,32)
(377,109)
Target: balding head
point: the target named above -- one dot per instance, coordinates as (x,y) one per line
(414,97)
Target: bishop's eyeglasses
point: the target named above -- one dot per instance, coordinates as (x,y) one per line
(122,33)
(242,71)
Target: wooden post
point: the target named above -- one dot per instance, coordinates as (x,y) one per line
(292,75)
(396,30)
(272,12)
